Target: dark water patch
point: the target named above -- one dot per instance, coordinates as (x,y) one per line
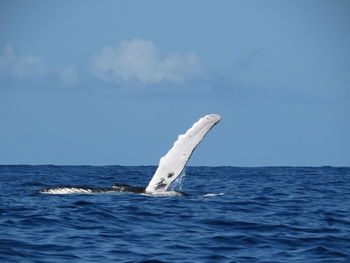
(323,251)
(152,261)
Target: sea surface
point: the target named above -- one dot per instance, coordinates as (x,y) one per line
(268,214)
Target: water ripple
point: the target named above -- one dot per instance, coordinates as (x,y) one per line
(268,214)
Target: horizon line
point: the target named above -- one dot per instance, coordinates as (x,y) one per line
(156,165)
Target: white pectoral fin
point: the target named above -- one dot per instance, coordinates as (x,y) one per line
(172,164)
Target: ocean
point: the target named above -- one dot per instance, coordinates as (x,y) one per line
(234,214)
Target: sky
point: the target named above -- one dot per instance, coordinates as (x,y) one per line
(115,82)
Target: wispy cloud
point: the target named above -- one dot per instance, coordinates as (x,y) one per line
(139,61)
(247,61)
(69,74)
(20,66)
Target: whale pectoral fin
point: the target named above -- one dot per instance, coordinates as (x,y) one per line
(172,164)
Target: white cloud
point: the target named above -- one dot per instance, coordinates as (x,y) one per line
(20,66)
(139,61)
(69,74)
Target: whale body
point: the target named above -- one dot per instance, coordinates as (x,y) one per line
(170,165)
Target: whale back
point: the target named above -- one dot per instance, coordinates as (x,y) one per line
(172,164)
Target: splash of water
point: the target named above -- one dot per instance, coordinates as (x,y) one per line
(177,184)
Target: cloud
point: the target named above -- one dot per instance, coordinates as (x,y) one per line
(20,66)
(138,61)
(69,74)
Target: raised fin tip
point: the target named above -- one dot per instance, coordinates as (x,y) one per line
(216,117)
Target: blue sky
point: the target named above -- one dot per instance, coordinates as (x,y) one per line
(115,82)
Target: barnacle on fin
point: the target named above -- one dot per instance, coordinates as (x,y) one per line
(161,184)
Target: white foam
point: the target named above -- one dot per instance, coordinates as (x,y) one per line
(164,193)
(211,195)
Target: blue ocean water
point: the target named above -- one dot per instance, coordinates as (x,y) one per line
(270,214)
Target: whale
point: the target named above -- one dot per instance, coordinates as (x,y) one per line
(170,166)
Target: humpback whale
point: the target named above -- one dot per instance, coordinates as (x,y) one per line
(170,165)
